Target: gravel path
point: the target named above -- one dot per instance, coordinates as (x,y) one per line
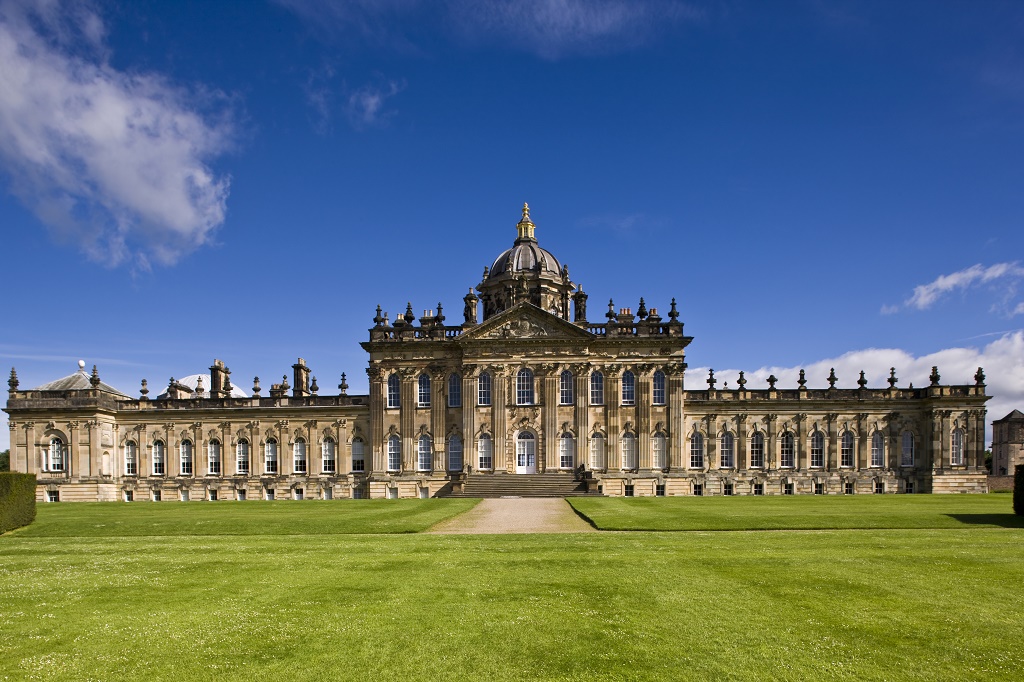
(516,515)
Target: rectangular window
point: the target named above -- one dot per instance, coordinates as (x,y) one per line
(483,390)
(877,449)
(213,457)
(300,494)
(565,396)
(240,495)
(269,493)
(156,495)
(597,389)
(759,488)
(629,490)
(357,493)
(659,490)
(907,450)
(52,496)
(908,487)
(628,389)
(129,496)
(786,452)
(484,452)
(358,455)
(213,496)
(328,493)
(184,496)
(658,392)
(327,451)
(242,457)
(757,451)
(787,489)
(727,489)
(566,452)
(423,394)
(848,488)
(846,450)
(819,488)
(186,458)
(818,450)
(879,487)
(524,387)
(728,457)
(698,489)
(454,391)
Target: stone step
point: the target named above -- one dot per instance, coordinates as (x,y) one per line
(521,485)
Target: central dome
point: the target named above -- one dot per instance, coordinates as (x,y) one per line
(526,255)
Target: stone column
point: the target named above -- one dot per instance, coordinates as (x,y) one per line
(343,465)
(612,400)
(376,439)
(863,450)
(143,452)
(771,443)
(499,413)
(643,415)
(741,442)
(711,444)
(470,374)
(801,460)
(674,381)
(438,405)
(408,417)
(71,465)
(581,418)
(549,458)
(831,463)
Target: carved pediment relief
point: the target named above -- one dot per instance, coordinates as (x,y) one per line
(526,321)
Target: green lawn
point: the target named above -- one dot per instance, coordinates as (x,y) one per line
(256,517)
(798,512)
(917,604)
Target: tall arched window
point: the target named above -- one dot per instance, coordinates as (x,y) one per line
(728,456)
(658,451)
(131,459)
(846,450)
(597,388)
(454,390)
(817,449)
(270,456)
(877,449)
(956,450)
(423,394)
(566,451)
(185,455)
(159,458)
(358,455)
(423,462)
(628,388)
(485,452)
(55,455)
(299,456)
(906,450)
(565,387)
(597,451)
(658,388)
(524,387)
(329,456)
(394,391)
(394,453)
(213,457)
(757,451)
(454,452)
(785,450)
(628,451)
(483,389)
(242,456)
(697,451)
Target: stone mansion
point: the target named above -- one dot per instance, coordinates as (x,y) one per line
(525,384)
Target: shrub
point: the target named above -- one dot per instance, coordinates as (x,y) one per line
(1018,490)
(17,500)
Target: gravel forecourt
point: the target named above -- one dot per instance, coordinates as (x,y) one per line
(516,515)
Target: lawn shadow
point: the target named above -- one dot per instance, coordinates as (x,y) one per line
(1002,520)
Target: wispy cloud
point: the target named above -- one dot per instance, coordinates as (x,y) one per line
(626,225)
(547,28)
(366,106)
(1007,275)
(116,162)
(1003,360)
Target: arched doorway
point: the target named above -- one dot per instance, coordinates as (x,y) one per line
(526,453)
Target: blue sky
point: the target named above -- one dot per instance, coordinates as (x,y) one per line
(818,183)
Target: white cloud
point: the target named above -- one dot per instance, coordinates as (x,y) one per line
(548,28)
(365,106)
(1002,359)
(926,295)
(117,162)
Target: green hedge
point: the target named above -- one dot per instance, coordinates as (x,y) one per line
(1018,490)
(17,500)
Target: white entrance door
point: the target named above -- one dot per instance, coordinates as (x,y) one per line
(526,453)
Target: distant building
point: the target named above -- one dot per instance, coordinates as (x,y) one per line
(525,384)
(1008,444)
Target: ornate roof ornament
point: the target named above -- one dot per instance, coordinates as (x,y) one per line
(862,382)
(979,377)
(711,379)
(892,377)
(13,381)
(343,386)
(525,227)
(832,379)
(802,380)
(934,376)
(95,378)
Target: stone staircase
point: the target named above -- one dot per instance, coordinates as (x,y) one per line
(521,485)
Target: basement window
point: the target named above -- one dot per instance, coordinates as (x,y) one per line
(727,489)
(819,488)
(848,488)
(787,489)
(698,489)
(659,490)
(52,496)
(629,490)
(759,488)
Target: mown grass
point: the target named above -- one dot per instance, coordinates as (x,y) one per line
(256,517)
(931,604)
(797,512)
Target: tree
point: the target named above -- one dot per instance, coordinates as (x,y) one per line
(5,460)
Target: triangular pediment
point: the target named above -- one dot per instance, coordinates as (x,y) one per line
(525,321)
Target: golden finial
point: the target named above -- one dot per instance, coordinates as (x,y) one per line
(526,226)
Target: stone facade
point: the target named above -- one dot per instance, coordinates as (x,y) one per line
(1008,444)
(529,386)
